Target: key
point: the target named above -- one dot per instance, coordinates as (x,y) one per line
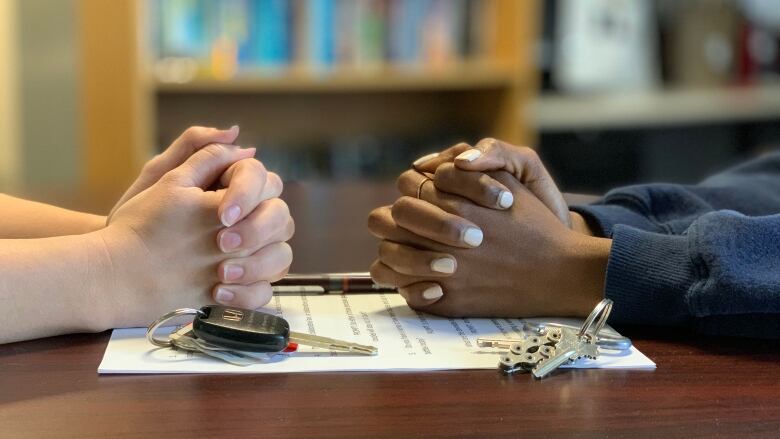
(526,353)
(571,347)
(182,339)
(185,340)
(506,343)
(254,331)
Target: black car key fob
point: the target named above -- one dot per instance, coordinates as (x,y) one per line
(241,329)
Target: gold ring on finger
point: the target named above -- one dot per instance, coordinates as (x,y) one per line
(420,187)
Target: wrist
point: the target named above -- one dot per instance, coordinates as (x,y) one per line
(100,305)
(119,277)
(586,261)
(579,225)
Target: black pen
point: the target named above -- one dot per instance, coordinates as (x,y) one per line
(329,283)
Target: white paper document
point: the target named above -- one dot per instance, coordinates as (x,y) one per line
(407,340)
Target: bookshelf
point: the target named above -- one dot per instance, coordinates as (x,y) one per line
(130,111)
(661,108)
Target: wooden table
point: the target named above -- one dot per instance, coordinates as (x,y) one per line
(702,387)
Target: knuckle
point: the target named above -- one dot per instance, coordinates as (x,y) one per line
(374,218)
(279,207)
(488,143)
(377,220)
(288,254)
(153,164)
(529,154)
(275,182)
(172,177)
(253,165)
(285,253)
(445,172)
(377,273)
(257,295)
(290,229)
(278,276)
(405,180)
(194,132)
(402,207)
(386,250)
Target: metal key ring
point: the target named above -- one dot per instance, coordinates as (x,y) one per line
(597,319)
(159,322)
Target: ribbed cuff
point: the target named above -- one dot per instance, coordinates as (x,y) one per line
(604,217)
(648,277)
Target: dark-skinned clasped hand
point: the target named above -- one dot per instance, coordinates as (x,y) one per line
(452,257)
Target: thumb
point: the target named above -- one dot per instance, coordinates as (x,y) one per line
(204,168)
(524,164)
(191,140)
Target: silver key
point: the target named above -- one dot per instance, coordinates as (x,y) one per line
(525,353)
(570,348)
(332,344)
(558,345)
(185,339)
(577,344)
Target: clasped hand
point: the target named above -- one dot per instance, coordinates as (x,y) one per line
(489,235)
(203,213)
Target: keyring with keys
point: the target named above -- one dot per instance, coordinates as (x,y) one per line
(556,345)
(166,343)
(239,335)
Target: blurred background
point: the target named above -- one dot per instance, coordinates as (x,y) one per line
(608,91)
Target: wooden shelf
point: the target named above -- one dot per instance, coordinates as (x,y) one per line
(129,114)
(455,78)
(652,109)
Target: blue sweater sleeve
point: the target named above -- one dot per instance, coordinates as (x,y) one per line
(704,256)
(752,188)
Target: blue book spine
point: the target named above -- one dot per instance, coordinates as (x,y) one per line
(321,18)
(182,28)
(270,33)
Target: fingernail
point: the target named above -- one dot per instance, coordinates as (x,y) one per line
(224,296)
(425,159)
(230,215)
(232,272)
(470,155)
(472,236)
(229,241)
(443,265)
(505,199)
(234,127)
(432,293)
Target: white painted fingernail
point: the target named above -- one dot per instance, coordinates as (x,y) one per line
(472,236)
(505,199)
(425,159)
(224,296)
(432,293)
(443,265)
(470,155)
(230,215)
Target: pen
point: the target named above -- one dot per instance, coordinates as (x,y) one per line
(329,283)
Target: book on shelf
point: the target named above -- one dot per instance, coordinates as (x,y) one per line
(223,39)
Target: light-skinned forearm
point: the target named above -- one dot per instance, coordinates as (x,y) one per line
(23,219)
(52,286)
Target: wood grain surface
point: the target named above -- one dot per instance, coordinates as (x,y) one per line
(703,387)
